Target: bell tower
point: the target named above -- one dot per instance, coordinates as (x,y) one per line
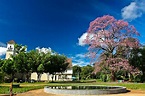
(10,49)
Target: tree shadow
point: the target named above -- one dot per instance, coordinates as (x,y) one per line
(127,91)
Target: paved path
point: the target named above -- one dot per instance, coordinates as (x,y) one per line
(40,92)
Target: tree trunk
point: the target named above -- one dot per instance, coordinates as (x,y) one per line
(143,77)
(78,76)
(48,77)
(52,77)
(113,76)
(13,76)
(27,76)
(22,76)
(38,77)
(62,76)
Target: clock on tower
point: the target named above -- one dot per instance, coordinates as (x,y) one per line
(10,48)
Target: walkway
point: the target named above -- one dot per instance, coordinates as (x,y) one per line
(41,92)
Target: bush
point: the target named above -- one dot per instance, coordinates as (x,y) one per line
(137,78)
(104,78)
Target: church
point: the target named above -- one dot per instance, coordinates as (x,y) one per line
(65,76)
(10,49)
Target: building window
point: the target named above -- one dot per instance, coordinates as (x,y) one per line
(59,76)
(65,77)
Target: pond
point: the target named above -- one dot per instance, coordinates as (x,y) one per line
(84,90)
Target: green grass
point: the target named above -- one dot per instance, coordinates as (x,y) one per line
(4,87)
(138,86)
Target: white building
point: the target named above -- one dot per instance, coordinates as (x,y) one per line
(65,76)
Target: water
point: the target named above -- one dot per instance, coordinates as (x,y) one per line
(82,87)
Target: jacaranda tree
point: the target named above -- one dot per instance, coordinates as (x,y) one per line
(105,36)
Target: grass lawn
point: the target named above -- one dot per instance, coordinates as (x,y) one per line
(4,87)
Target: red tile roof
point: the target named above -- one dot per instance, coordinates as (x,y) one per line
(70,62)
(11,42)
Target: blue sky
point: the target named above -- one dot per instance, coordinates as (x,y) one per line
(61,24)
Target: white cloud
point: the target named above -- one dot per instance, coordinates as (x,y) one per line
(134,10)
(80,59)
(44,50)
(3,51)
(81,39)
(2,44)
(80,55)
(81,63)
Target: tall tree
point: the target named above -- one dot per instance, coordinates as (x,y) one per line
(46,63)
(58,63)
(20,48)
(35,59)
(1,73)
(137,59)
(105,35)
(40,70)
(22,65)
(76,71)
(9,68)
(1,62)
(39,59)
(86,72)
(20,60)
(42,60)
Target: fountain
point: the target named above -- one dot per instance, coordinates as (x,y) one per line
(85,90)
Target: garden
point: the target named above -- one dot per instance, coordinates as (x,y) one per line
(120,61)
(24,87)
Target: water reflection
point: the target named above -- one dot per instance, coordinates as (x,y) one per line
(81,87)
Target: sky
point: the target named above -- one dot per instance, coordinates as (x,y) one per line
(62,24)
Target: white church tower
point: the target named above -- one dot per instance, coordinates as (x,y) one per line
(10,49)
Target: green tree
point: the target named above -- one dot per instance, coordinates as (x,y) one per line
(39,62)
(40,70)
(76,71)
(35,59)
(86,72)
(58,63)
(1,73)
(19,48)
(46,63)
(9,68)
(137,59)
(22,65)
(1,62)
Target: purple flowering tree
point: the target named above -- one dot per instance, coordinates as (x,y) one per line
(112,39)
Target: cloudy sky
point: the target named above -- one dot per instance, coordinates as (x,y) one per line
(61,24)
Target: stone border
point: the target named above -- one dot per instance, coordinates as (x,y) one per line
(119,89)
